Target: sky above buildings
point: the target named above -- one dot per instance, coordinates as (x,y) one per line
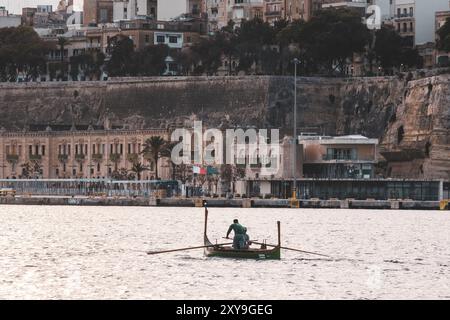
(167,8)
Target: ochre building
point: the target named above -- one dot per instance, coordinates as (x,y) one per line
(78,154)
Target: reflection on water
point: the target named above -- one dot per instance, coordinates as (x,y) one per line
(100,252)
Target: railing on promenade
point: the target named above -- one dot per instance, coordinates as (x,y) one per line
(92,187)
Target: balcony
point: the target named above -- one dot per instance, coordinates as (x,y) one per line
(80,157)
(12,158)
(404,15)
(97,157)
(35,157)
(115,157)
(63,157)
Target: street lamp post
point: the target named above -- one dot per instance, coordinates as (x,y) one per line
(294,167)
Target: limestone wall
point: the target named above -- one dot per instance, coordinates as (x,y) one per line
(375,107)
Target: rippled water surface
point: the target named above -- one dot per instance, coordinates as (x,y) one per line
(100,253)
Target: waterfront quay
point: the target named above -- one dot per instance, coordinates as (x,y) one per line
(222,202)
(314,193)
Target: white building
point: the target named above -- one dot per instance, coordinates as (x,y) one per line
(132,9)
(9,20)
(44,8)
(418,15)
(240,10)
(173,40)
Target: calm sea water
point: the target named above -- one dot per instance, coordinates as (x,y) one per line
(100,253)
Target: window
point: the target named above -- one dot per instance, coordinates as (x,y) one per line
(173,39)
(147,38)
(103,15)
(341,154)
(160,39)
(43,150)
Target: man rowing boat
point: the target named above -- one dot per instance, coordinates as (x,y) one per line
(239,234)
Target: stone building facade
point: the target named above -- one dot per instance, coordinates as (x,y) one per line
(78,154)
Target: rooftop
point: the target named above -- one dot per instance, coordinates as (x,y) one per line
(349,139)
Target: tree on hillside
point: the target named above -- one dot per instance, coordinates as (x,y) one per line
(151,60)
(210,53)
(122,57)
(90,62)
(391,51)
(62,42)
(443,33)
(286,38)
(253,38)
(333,36)
(22,51)
(125,61)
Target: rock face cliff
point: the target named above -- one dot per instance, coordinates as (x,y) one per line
(411,119)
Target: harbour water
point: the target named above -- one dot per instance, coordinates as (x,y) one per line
(68,252)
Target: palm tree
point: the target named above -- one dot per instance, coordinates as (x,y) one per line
(138,168)
(166,152)
(152,150)
(62,42)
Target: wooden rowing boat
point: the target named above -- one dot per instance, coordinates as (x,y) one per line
(229,252)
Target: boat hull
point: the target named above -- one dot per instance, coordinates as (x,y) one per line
(222,251)
(229,252)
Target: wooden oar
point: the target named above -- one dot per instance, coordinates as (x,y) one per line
(292,249)
(189,248)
